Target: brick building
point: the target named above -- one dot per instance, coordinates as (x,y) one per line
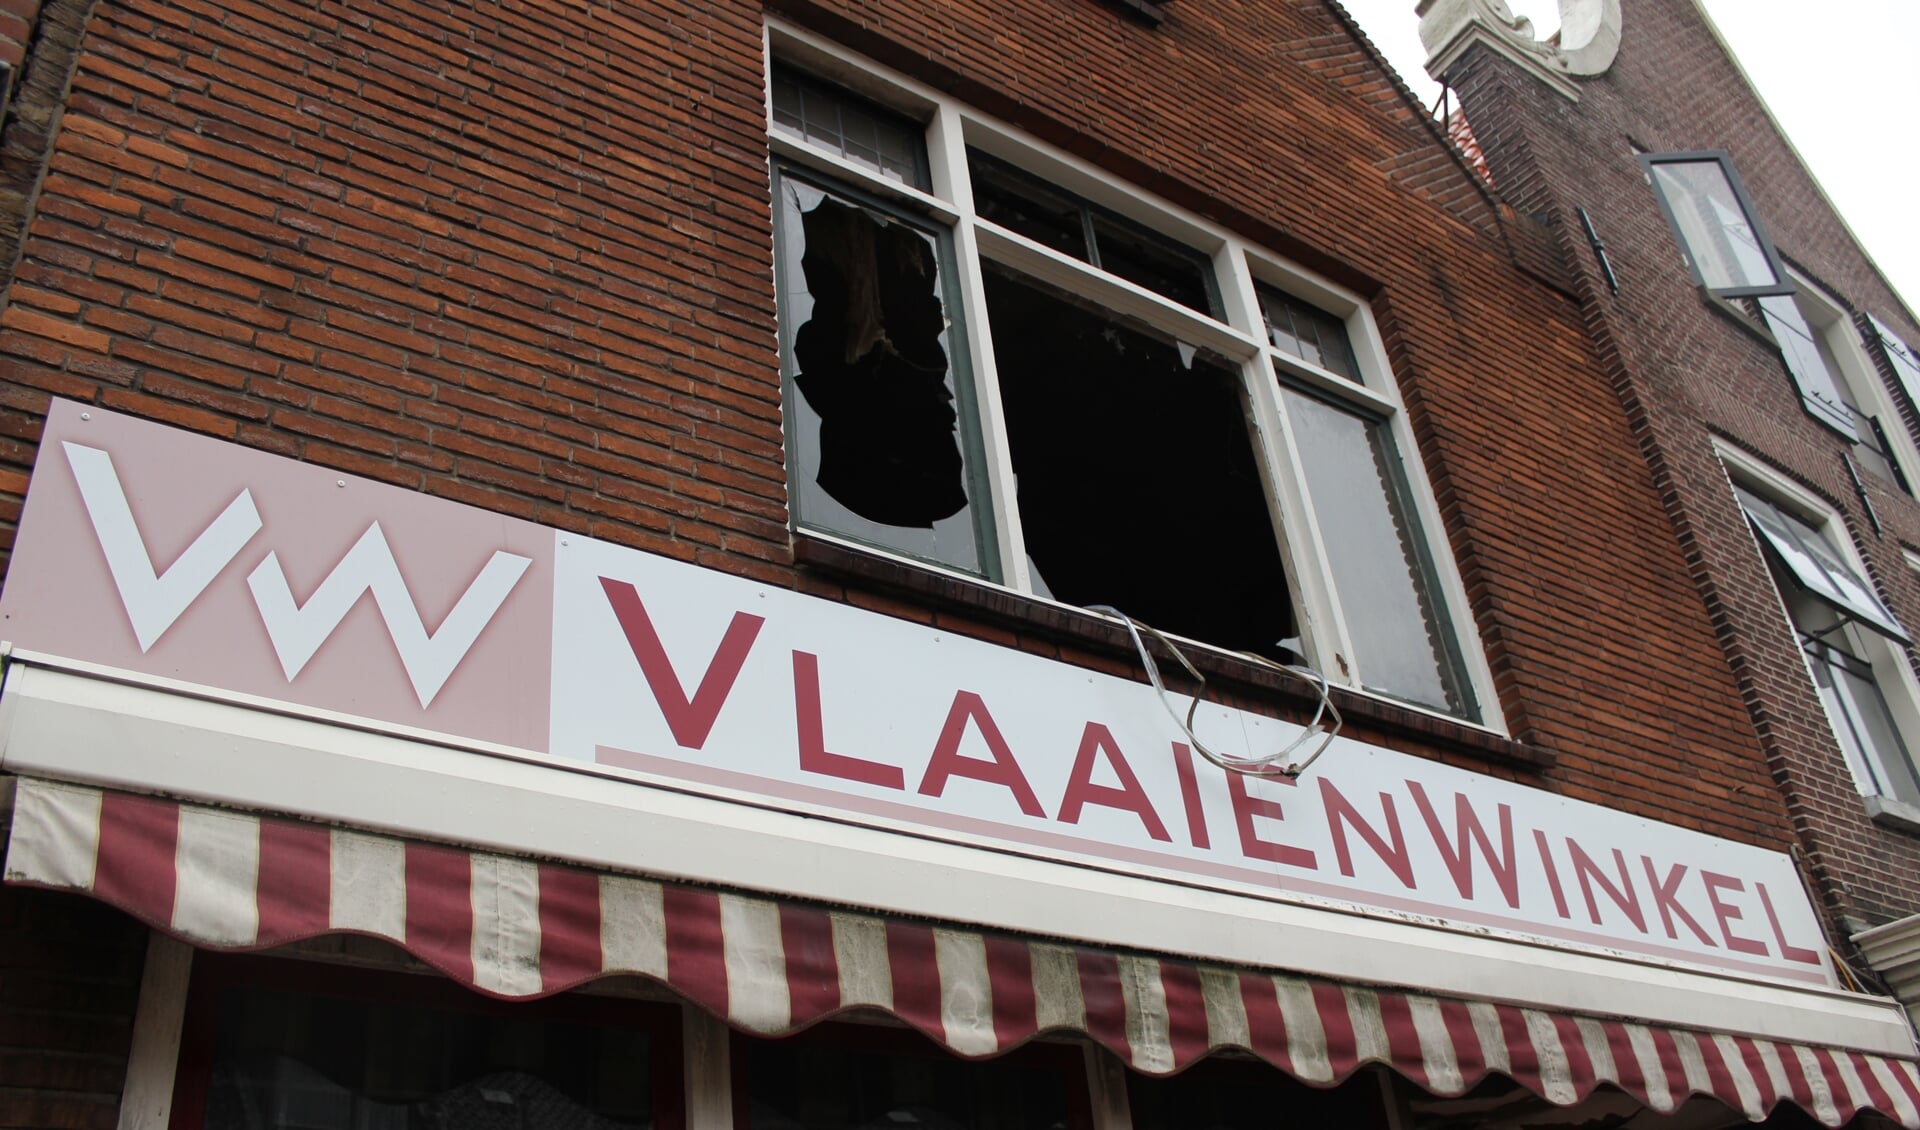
(1790,380)
(552,546)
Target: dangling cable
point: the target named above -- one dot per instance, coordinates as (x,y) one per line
(1271,765)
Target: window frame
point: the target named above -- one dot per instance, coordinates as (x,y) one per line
(1891,665)
(1238,336)
(1783,283)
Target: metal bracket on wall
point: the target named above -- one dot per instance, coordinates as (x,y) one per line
(1599,251)
(1860,491)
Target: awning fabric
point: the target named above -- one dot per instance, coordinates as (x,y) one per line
(516,928)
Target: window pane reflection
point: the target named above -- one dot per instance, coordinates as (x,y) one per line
(1354,480)
(1726,248)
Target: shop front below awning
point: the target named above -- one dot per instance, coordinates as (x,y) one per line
(515,928)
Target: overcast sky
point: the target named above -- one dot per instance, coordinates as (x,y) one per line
(1841,76)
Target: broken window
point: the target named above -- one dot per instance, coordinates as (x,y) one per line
(1108,449)
(1135,473)
(875,416)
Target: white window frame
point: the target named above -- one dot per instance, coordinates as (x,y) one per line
(1892,672)
(1239,338)
(1826,317)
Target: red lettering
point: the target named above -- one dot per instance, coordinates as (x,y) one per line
(1247,806)
(1002,770)
(1665,902)
(1553,873)
(1129,797)
(1190,796)
(1727,913)
(690,719)
(1791,953)
(1623,896)
(1341,813)
(814,755)
(1458,854)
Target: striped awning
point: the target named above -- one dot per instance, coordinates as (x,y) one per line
(517,928)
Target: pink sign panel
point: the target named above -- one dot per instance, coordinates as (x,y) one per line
(153,550)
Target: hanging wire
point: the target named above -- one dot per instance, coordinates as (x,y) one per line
(1275,764)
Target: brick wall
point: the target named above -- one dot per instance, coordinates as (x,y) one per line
(1687,372)
(520,257)
(69,980)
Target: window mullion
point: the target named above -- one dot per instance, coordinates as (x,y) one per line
(947,158)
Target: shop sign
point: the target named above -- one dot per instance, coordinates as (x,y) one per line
(152,551)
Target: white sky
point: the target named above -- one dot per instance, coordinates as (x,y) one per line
(1841,76)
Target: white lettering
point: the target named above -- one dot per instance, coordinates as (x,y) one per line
(154,600)
(298,631)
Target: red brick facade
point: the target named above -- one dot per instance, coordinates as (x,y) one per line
(1688,372)
(520,256)
(69,979)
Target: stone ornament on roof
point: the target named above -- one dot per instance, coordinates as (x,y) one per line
(1588,39)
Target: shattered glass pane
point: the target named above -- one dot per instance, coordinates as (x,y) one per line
(873,420)
(1138,485)
(1354,480)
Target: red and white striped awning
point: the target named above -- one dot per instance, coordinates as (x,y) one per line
(516,928)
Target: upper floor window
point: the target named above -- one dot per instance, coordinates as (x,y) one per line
(1715,223)
(1836,381)
(1852,644)
(1018,369)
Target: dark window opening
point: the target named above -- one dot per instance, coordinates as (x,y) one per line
(875,428)
(1135,471)
(847,1077)
(1058,219)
